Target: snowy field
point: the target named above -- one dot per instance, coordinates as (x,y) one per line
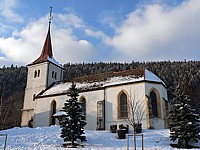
(48,138)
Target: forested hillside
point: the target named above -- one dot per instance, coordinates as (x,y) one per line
(172,73)
(12,86)
(13,82)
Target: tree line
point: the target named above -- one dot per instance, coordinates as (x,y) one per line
(13,82)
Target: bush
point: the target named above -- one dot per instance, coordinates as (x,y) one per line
(113,128)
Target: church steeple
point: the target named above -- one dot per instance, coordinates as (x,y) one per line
(47,48)
(43,72)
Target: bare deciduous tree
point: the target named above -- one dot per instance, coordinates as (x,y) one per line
(136,112)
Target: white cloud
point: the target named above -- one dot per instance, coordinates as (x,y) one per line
(25,46)
(8,12)
(98,35)
(4,61)
(151,32)
(70,49)
(4,28)
(157,32)
(68,20)
(109,18)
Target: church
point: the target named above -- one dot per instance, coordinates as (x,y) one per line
(105,97)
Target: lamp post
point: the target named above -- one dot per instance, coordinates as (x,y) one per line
(60,115)
(0,106)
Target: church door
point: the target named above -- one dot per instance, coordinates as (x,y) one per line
(53,111)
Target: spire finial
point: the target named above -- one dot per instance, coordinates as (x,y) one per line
(50,14)
(47,48)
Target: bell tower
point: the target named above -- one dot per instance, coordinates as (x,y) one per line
(42,72)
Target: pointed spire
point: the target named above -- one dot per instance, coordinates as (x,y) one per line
(47,48)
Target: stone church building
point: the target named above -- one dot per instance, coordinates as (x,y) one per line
(105,96)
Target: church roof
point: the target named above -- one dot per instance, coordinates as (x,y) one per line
(47,53)
(46,50)
(102,80)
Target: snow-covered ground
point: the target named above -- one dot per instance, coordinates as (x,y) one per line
(48,138)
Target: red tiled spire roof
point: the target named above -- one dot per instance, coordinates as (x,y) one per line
(47,49)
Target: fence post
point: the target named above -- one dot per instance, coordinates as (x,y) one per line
(142,142)
(5,140)
(134,136)
(134,142)
(127,141)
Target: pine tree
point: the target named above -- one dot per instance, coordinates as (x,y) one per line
(185,123)
(72,125)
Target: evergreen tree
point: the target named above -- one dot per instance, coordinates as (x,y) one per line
(185,123)
(72,125)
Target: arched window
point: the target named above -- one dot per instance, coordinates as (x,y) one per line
(55,75)
(33,97)
(83,100)
(52,74)
(35,74)
(123,107)
(38,73)
(53,111)
(154,103)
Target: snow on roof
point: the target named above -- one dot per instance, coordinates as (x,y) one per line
(107,79)
(60,113)
(60,88)
(122,80)
(52,60)
(149,76)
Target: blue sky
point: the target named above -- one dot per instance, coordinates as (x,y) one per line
(100,30)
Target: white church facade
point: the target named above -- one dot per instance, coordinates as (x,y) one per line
(105,96)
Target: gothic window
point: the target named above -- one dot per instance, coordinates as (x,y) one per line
(83,100)
(123,107)
(154,103)
(35,74)
(53,111)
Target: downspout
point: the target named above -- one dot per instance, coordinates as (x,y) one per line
(47,75)
(104,110)
(61,74)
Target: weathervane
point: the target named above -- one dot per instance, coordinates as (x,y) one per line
(50,14)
